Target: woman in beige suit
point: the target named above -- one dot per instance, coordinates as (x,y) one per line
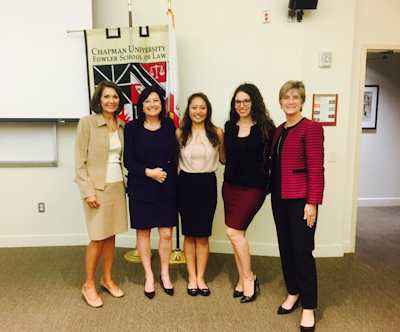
(100,177)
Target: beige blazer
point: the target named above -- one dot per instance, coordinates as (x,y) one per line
(92,148)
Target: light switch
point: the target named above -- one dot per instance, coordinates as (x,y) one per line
(333,156)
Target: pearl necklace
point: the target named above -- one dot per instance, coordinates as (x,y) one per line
(151,127)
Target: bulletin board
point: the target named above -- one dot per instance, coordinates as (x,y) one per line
(324,109)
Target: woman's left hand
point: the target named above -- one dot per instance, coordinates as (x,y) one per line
(310,214)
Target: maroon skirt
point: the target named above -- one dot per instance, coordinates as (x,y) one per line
(241,204)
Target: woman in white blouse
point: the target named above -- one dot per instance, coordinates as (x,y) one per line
(201,145)
(100,177)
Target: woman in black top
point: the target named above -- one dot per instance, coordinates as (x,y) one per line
(247,139)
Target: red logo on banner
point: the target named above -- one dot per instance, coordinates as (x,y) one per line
(157,70)
(136,90)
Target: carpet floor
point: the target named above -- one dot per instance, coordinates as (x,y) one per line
(40,290)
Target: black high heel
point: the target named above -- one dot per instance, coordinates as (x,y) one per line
(246,299)
(236,293)
(308,329)
(149,295)
(283,311)
(169,291)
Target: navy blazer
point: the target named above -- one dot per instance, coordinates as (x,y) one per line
(138,157)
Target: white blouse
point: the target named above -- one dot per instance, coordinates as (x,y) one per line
(114,171)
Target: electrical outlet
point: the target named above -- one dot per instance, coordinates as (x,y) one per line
(41,207)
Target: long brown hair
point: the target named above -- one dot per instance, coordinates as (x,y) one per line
(259,114)
(186,122)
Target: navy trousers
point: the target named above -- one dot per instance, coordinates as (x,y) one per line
(296,243)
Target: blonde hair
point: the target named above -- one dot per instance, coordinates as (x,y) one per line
(298,85)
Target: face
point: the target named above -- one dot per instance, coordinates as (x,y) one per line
(109,100)
(152,105)
(243,104)
(291,102)
(198,110)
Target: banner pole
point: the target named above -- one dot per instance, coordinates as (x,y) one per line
(130,13)
(169,5)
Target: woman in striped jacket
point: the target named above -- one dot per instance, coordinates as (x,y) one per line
(297,184)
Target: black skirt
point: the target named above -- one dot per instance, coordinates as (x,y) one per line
(197,200)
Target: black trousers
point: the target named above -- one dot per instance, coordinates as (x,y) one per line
(296,243)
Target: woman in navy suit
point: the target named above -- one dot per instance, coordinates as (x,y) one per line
(149,157)
(297,184)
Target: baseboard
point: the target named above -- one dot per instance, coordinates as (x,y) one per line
(348,247)
(43,240)
(384,201)
(129,242)
(256,248)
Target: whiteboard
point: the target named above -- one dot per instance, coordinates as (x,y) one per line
(28,144)
(43,68)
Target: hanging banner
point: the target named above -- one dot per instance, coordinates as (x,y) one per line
(133,58)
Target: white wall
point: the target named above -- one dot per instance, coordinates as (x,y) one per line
(380,149)
(221,45)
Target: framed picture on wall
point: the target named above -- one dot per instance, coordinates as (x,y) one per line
(370,108)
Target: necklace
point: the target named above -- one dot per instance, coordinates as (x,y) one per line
(151,127)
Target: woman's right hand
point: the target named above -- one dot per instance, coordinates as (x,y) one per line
(93,201)
(157,174)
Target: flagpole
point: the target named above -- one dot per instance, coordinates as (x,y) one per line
(133,255)
(130,13)
(177,256)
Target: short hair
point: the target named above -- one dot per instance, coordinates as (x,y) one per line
(143,96)
(298,85)
(95,104)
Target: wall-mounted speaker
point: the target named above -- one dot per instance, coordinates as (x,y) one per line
(303,4)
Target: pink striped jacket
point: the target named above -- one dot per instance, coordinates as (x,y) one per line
(302,161)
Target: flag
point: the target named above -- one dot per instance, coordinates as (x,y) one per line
(172,73)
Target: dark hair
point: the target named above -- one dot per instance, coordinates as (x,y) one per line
(143,96)
(95,104)
(186,122)
(259,114)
